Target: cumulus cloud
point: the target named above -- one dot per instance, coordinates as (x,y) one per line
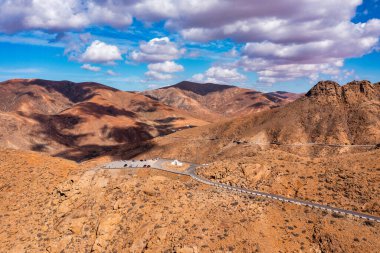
(167,67)
(251,20)
(58,15)
(233,53)
(157,76)
(157,50)
(111,73)
(100,52)
(90,68)
(219,74)
(284,40)
(286,61)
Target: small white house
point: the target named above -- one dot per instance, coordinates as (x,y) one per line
(177,163)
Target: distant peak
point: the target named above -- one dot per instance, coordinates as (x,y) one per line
(50,83)
(200,88)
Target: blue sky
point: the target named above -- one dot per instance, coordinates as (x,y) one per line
(144,45)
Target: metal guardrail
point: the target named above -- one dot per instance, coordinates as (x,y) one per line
(289,200)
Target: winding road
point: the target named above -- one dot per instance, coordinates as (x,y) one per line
(159,164)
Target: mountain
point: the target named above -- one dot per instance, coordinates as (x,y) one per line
(52,204)
(235,151)
(85,120)
(212,102)
(327,114)
(59,116)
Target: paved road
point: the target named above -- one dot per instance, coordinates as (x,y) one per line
(191,171)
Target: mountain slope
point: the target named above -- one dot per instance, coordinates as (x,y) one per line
(213,102)
(328,113)
(57,116)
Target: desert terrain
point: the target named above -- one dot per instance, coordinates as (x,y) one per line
(69,203)
(189,126)
(81,208)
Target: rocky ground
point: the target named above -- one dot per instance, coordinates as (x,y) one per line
(27,183)
(350,181)
(51,205)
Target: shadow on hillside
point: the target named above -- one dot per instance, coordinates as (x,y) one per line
(120,142)
(141,106)
(253,93)
(116,152)
(274,97)
(130,134)
(258,105)
(151,97)
(39,147)
(200,89)
(75,92)
(98,111)
(51,127)
(168,119)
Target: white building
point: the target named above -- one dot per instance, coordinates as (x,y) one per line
(177,163)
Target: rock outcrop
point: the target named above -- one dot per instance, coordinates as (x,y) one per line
(351,93)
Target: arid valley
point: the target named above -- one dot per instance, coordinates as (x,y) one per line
(189,126)
(56,196)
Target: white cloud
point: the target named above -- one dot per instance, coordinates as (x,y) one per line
(220,75)
(253,20)
(348,73)
(153,86)
(282,62)
(233,53)
(167,66)
(90,68)
(100,52)
(198,78)
(284,40)
(153,75)
(157,50)
(111,73)
(58,15)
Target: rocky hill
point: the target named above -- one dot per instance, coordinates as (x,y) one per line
(81,120)
(213,102)
(327,114)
